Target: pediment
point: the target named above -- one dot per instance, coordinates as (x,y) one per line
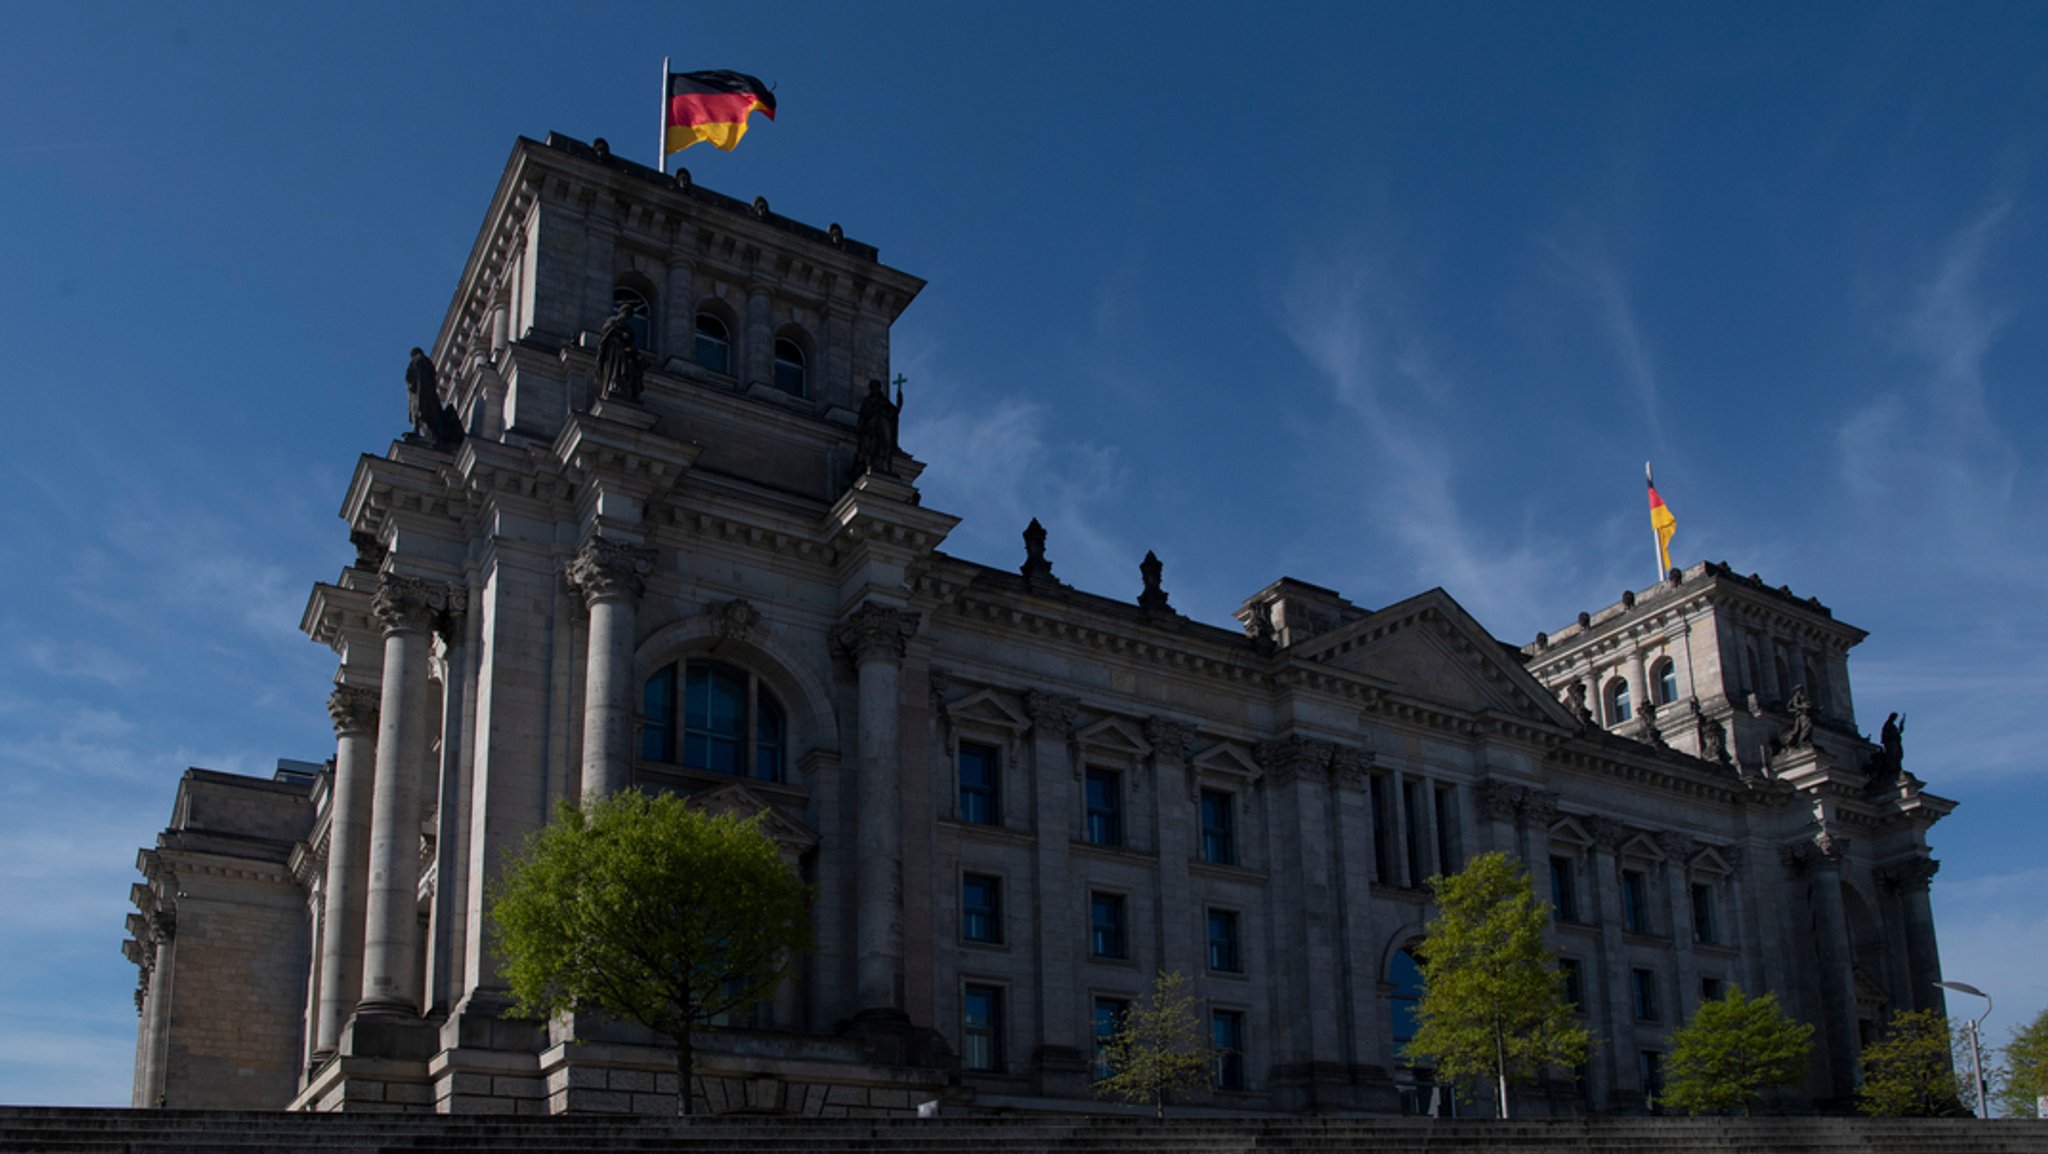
(1642,847)
(1114,735)
(1226,757)
(789,833)
(1709,860)
(988,708)
(1569,831)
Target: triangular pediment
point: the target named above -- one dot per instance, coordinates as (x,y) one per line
(1430,649)
(789,833)
(986,707)
(1642,847)
(1709,860)
(1226,757)
(1569,831)
(1113,735)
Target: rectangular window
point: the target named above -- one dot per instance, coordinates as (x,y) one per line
(1105,807)
(658,716)
(1574,983)
(1226,1035)
(1106,925)
(1416,801)
(1703,927)
(1223,953)
(1642,986)
(981,1028)
(1219,828)
(1382,832)
(1650,1068)
(981,908)
(980,780)
(1449,853)
(1564,893)
(1109,1018)
(1711,989)
(1635,902)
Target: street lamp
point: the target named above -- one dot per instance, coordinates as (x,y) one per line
(1976,1053)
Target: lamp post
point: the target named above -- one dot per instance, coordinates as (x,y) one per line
(1976,1054)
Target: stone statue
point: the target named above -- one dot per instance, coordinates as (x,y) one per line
(1800,731)
(432,421)
(1153,597)
(876,448)
(1036,569)
(1893,738)
(1575,700)
(1713,740)
(618,355)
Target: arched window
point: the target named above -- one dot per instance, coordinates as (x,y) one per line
(642,322)
(1405,976)
(1618,709)
(790,367)
(1664,675)
(714,343)
(716,717)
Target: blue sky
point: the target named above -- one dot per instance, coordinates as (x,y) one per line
(1380,297)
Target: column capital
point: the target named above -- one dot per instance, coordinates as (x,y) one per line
(1349,765)
(1539,806)
(1607,833)
(415,604)
(610,569)
(353,709)
(1050,713)
(876,631)
(1291,757)
(1914,873)
(1170,739)
(1498,800)
(1676,846)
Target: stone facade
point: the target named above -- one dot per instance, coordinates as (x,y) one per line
(1018,801)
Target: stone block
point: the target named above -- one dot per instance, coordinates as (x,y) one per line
(409,1093)
(656,1104)
(505,1086)
(597,1101)
(846,1096)
(641,1081)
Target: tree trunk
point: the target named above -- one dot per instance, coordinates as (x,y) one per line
(686,1065)
(1500,1059)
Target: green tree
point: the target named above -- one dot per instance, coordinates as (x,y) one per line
(2025,1070)
(1910,1072)
(1733,1050)
(1493,1001)
(1158,1049)
(652,911)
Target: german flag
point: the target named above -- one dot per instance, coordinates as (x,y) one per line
(712,106)
(1662,522)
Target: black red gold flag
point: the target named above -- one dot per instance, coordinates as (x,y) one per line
(712,106)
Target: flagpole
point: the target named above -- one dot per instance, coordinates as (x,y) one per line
(1652,483)
(661,147)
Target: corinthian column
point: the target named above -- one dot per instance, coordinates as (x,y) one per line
(875,636)
(611,576)
(409,609)
(354,711)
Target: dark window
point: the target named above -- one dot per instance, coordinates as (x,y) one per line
(1650,1068)
(980,783)
(1382,833)
(1449,853)
(1416,802)
(1642,985)
(1105,807)
(789,367)
(981,908)
(1665,676)
(1574,983)
(1703,927)
(1219,828)
(1711,989)
(1106,925)
(1226,1035)
(1405,976)
(1635,902)
(1109,1018)
(1617,702)
(1223,952)
(714,343)
(730,722)
(641,323)
(1564,892)
(981,1028)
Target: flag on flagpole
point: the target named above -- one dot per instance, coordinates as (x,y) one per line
(1662,523)
(712,106)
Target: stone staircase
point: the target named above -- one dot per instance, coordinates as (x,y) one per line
(98,1131)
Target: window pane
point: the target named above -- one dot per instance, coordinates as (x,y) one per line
(714,717)
(978,781)
(789,367)
(1405,976)
(1703,913)
(658,716)
(980,910)
(1109,1018)
(1562,894)
(981,1028)
(768,730)
(1223,954)
(1105,808)
(1635,913)
(714,345)
(1219,828)
(1106,925)
(1226,1034)
(641,325)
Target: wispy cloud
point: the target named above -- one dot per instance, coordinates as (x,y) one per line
(1586,266)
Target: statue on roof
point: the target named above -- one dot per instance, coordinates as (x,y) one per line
(875,447)
(1153,598)
(1889,761)
(618,354)
(1799,732)
(1713,740)
(432,421)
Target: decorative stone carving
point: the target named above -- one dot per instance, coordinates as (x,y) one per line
(604,569)
(1797,857)
(369,551)
(1036,569)
(875,446)
(415,603)
(1575,700)
(1170,740)
(1713,740)
(1348,765)
(1676,846)
(877,631)
(1915,873)
(1050,713)
(353,709)
(1651,734)
(1798,732)
(1539,805)
(1153,598)
(619,364)
(940,683)
(1497,800)
(1606,832)
(1291,757)
(163,926)
(432,421)
(1830,846)
(734,620)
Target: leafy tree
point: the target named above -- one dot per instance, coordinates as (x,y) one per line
(1158,1049)
(1493,1000)
(1910,1072)
(1733,1050)
(2025,1074)
(651,911)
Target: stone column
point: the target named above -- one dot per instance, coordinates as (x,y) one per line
(1307,1046)
(1060,1061)
(760,346)
(875,636)
(409,608)
(1617,1014)
(1638,686)
(354,712)
(1677,848)
(1358,955)
(1923,958)
(1499,805)
(163,926)
(611,577)
(1821,862)
(1179,831)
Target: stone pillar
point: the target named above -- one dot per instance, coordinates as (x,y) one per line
(1678,888)
(409,608)
(1060,1062)
(611,577)
(163,927)
(1307,1046)
(1179,831)
(1638,687)
(1499,804)
(1821,862)
(875,636)
(1923,959)
(1358,950)
(354,712)
(760,346)
(1615,1011)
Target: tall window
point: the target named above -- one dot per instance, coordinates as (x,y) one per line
(1219,828)
(1564,891)
(981,1028)
(1642,988)
(980,784)
(642,323)
(1574,983)
(1405,978)
(1416,800)
(1635,902)
(1382,831)
(714,343)
(1109,1018)
(1703,927)
(1664,675)
(1223,952)
(1618,709)
(1106,925)
(1711,989)
(1226,1036)
(730,722)
(981,908)
(1650,1068)
(1449,852)
(1105,807)
(790,370)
